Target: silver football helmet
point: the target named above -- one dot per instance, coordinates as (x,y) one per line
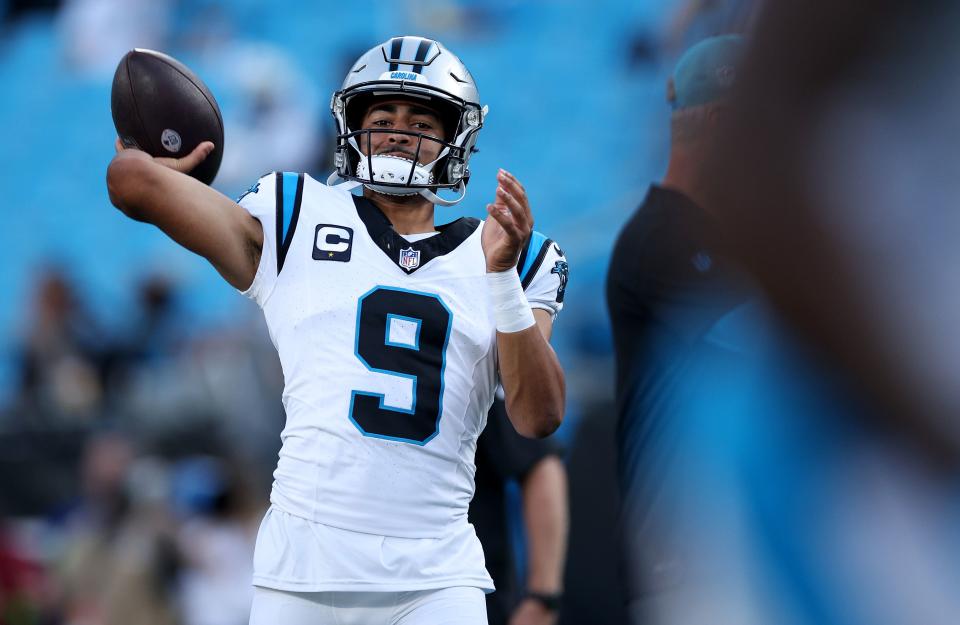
(416,68)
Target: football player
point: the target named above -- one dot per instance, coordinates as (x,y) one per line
(393,333)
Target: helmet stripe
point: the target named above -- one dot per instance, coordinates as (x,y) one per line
(395,45)
(425,45)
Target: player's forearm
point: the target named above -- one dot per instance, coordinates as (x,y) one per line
(546,520)
(194,215)
(148,191)
(533,382)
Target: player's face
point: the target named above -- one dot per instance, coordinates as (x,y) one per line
(402,115)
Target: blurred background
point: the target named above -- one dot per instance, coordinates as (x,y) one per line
(140,396)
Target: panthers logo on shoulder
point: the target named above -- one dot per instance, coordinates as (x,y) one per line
(254,188)
(563,270)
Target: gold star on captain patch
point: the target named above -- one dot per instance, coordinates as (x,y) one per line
(329,254)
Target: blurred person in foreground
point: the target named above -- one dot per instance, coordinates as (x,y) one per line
(535,464)
(823,457)
(673,294)
(692,21)
(845,121)
(861,256)
(393,333)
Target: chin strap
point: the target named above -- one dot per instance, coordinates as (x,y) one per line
(346,185)
(461,189)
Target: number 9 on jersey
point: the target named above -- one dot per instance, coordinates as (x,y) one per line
(405,334)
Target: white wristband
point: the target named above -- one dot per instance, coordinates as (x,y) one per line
(511,310)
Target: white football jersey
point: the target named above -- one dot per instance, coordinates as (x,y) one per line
(388,349)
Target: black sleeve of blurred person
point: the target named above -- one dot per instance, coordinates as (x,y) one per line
(668,283)
(502,455)
(802,57)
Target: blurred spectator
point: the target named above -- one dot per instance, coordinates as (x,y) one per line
(271,109)
(123,531)
(274,123)
(97,33)
(467,19)
(216,540)
(104,501)
(161,330)
(503,455)
(671,288)
(21,583)
(61,358)
(170,544)
(211,387)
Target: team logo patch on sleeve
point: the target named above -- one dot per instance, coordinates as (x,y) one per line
(563,270)
(254,188)
(331,242)
(409,258)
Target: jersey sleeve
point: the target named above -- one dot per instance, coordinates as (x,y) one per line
(274,200)
(543,273)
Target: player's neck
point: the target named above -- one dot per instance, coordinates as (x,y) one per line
(409,214)
(683,175)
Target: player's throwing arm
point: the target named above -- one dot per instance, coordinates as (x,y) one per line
(169,124)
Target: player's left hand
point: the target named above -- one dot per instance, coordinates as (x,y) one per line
(512,223)
(532,612)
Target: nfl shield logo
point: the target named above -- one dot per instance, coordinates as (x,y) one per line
(409,258)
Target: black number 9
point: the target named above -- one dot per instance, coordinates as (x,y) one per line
(402,333)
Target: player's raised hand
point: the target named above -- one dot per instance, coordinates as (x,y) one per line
(510,226)
(183,165)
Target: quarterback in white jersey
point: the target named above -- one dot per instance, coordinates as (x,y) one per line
(393,334)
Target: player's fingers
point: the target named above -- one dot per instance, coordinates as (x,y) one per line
(191,160)
(509,179)
(517,209)
(504,217)
(501,214)
(512,185)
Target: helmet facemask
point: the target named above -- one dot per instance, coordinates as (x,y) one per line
(394,174)
(402,174)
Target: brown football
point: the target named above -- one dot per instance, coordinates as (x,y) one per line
(164,109)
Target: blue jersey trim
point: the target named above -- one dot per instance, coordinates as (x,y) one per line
(532,256)
(289,198)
